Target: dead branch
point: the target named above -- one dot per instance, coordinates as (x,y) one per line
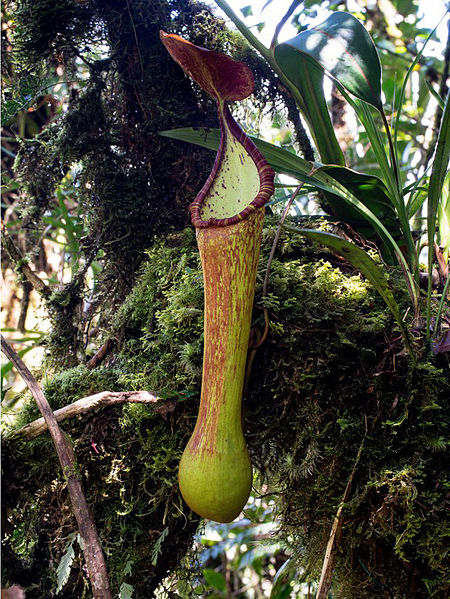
(326,575)
(93,402)
(100,355)
(92,550)
(21,265)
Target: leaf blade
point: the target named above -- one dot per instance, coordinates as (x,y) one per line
(437,178)
(343,47)
(307,76)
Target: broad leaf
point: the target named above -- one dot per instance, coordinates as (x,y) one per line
(342,46)
(307,76)
(371,191)
(214,579)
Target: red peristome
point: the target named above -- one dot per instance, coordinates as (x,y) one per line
(218,74)
(266,177)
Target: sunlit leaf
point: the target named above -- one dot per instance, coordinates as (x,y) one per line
(64,566)
(435,195)
(214,579)
(307,76)
(342,46)
(435,94)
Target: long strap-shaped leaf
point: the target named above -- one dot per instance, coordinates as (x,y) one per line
(307,76)
(437,178)
(342,46)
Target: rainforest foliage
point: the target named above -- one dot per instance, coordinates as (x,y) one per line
(331,396)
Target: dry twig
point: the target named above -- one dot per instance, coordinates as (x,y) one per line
(22,266)
(93,402)
(92,550)
(326,575)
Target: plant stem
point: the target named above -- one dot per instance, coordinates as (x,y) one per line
(92,550)
(281,24)
(402,213)
(391,149)
(326,575)
(271,256)
(89,404)
(441,306)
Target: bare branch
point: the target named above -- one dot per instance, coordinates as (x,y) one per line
(93,402)
(100,355)
(326,575)
(281,24)
(92,550)
(22,266)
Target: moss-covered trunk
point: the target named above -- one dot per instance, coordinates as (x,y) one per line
(329,374)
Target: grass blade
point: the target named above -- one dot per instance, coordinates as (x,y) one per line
(437,178)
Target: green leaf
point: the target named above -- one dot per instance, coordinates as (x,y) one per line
(64,566)
(362,262)
(247,10)
(372,192)
(435,94)
(214,579)
(282,582)
(437,178)
(126,591)
(443,218)
(342,46)
(307,76)
(9,365)
(157,546)
(405,82)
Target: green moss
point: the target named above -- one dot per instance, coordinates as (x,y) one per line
(331,372)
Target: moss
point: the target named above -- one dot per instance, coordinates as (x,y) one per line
(128,458)
(331,372)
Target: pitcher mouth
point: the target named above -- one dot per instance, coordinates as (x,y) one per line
(207,207)
(241,181)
